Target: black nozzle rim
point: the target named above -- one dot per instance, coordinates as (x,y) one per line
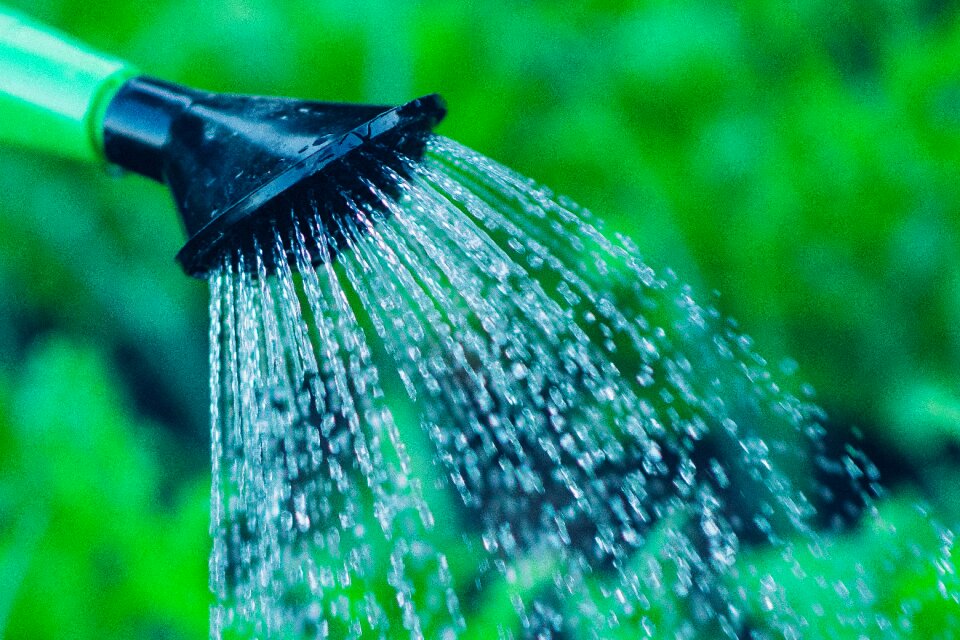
(417,117)
(143,133)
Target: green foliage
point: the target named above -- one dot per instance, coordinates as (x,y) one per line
(800,159)
(905,585)
(89,542)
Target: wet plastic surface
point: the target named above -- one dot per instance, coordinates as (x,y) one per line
(239,164)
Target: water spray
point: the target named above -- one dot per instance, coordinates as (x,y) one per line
(595,454)
(235,165)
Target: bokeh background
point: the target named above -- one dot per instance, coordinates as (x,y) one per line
(798,158)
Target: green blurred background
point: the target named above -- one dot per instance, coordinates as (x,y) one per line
(800,158)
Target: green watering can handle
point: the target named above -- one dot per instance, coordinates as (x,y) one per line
(54,90)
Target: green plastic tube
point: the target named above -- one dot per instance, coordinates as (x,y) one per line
(54,90)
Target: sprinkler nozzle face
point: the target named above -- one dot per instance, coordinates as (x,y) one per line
(239,164)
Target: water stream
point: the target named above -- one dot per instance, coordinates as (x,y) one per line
(462,411)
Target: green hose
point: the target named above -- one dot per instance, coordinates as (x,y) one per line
(54,90)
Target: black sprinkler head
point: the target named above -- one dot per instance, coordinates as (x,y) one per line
(239,164)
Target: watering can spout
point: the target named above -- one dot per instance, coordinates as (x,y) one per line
(233,162)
